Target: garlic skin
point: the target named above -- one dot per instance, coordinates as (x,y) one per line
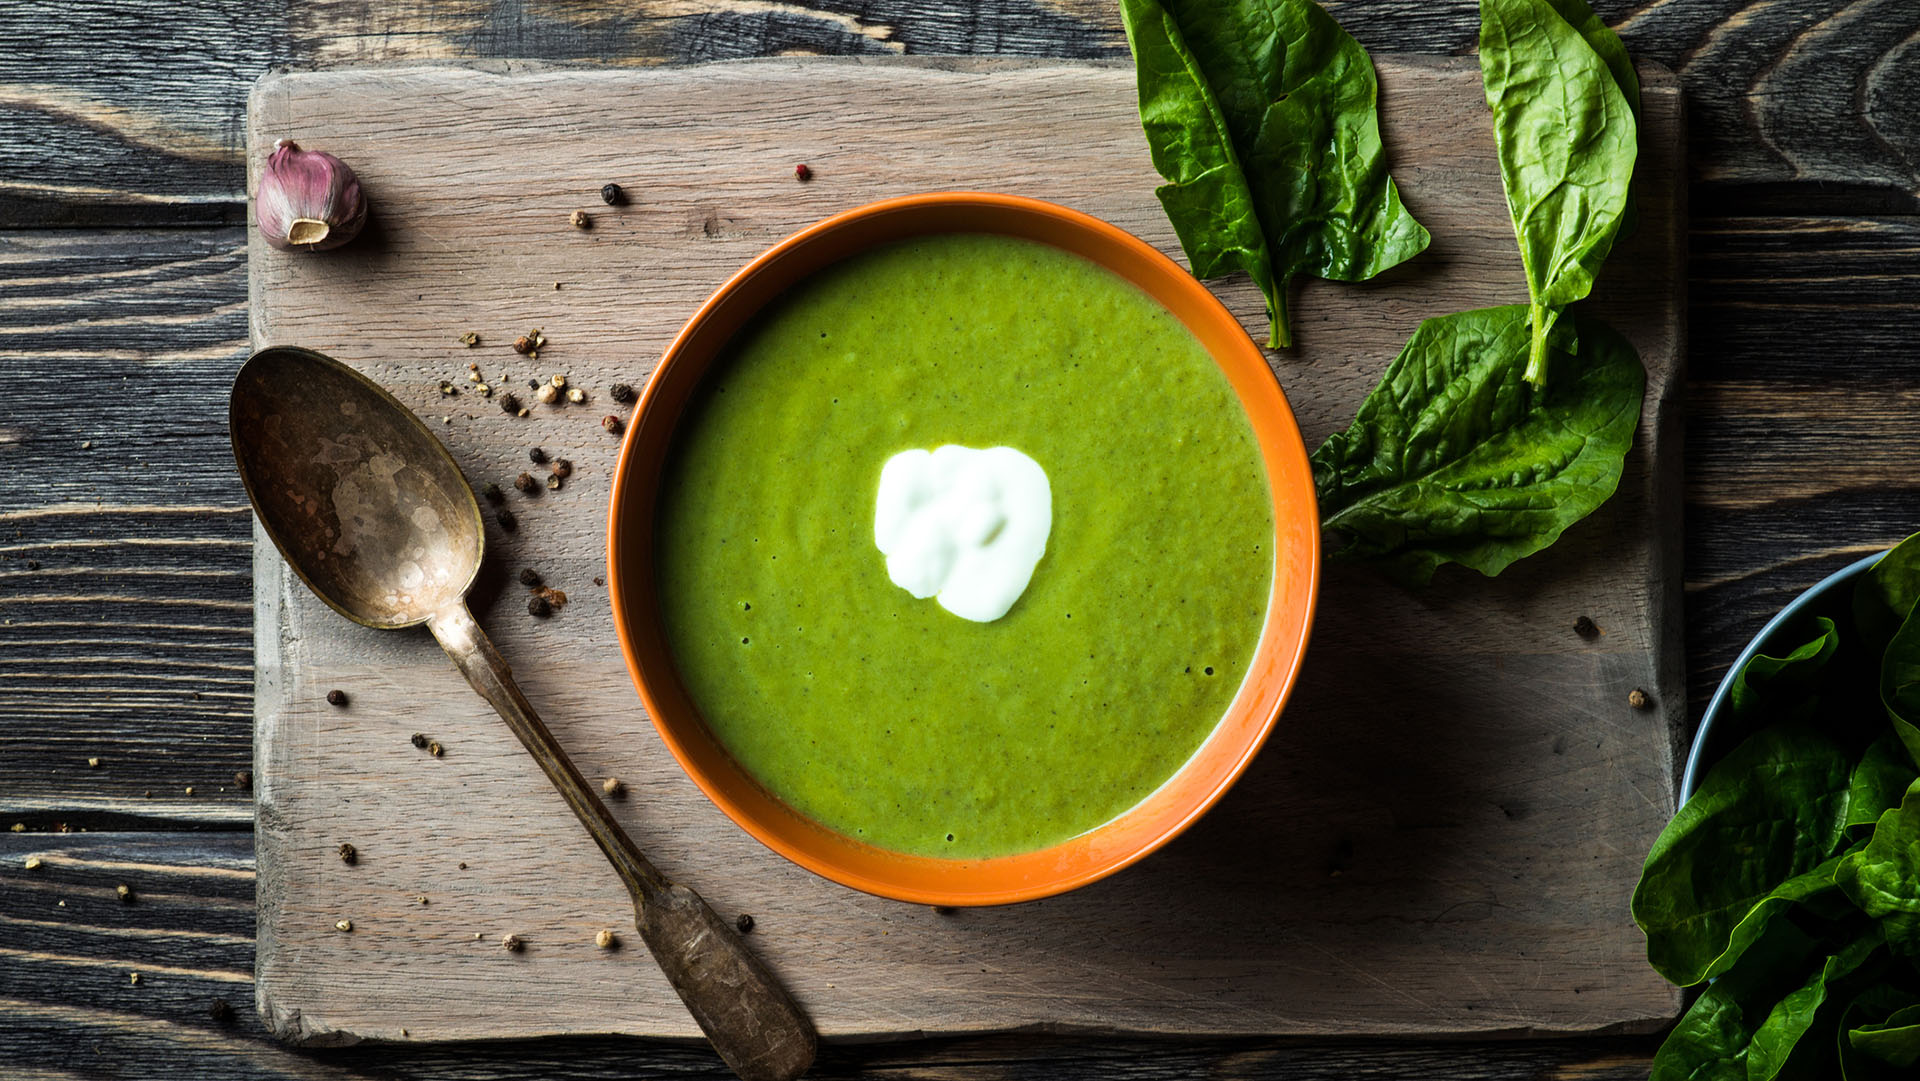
(307,200)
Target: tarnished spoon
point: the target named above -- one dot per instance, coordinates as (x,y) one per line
(371,512)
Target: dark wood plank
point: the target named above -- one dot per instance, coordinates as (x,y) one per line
(115,112)
(71,1009)
(126,613)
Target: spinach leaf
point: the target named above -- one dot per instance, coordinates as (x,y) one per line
(1747,1025)
(1607,44)
(1879,1007)
(1900,685)
(1567,141)
(1754,839)
(1880,779)
(1883,879)
(1885,595)
(1452,459)
(1261,115)
(1894,1041)
(1785,686)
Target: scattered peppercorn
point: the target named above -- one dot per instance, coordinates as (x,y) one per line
(133,978)
(580,220)
(93,763)
(529,577)
(523,344)
(19,827)
(220,1011)
(509,521)
(189,792)
(1638,699)
(525,483)
(536,455)
(33,863)
(554,481)
(548,394)
(470,339)
(613,786)
(463,867)
(420,740)
(513,943)
(620,392)
(559,382)
(576,395)
(336,697)
(606,940)
(611,423)
(349,854)
(612,195)
(802,173)
(343,925)
(744,923)
(562,467)
(509,403)
(1585,628)
(493,493)
(421,899)
(124,892)
(447,390)
(539,607)
(434,749)
(243,780)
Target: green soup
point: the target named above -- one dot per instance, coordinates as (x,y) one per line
(886,717)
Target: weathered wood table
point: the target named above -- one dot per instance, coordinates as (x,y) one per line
(125,555)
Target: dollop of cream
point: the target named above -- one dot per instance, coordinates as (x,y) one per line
(967,526)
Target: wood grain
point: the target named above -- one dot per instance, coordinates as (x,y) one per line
(72,1012)
(1445,836)
(1797,105)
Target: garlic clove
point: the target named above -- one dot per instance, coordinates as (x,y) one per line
(307,200)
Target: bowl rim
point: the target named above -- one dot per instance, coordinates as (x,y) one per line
(1277,658)
(1696,754)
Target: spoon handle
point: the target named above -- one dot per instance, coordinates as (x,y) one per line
(749,1018)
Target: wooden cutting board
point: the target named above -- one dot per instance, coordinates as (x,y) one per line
(1440,837)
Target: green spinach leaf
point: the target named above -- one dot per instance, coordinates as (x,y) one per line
(1885,595)
(1785,686)
(1883,879)
(1880,779)
(1567,142)
(1900,685)
(1754,839)
(1261,115)
(1453,459)
(1894,1041)
(1881,1006)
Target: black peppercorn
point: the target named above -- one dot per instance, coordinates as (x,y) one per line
(562,467)
(493,493)
(1585,628)
(336,697)
(620,392)
(539,607)
(220,1011)
(613,195)
(525,483)
(509,403)
(530,578)
(420,740)
(349,854)
(536,455)
(508,520)
(744,923)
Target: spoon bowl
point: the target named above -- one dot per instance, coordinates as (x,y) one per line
(369,508)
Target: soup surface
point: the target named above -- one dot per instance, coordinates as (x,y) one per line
(886,717)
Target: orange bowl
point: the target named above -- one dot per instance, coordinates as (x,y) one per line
(1027,875)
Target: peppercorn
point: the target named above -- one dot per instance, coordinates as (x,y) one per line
(562,467)
(620,392)
(510,403)
(1638,699)
(348,854)
(493,493)
(434,749)
(611,423)
(513,943)
(559,382)
(548,394)
(336,697)
(523,344)
(613,195)
(447,390)
(420,740)
(343,925)
(93,763)
(536,456)
(133,978)
(243,780)
(529,577)
(580,220)
(606,940)
(220,1011)
(470,339)
(554,481)
(613,786)
(33,863)
(539,607)
(802,173)
(525,483)
(1585,628)
(509,521)
(744,923)
(124,892)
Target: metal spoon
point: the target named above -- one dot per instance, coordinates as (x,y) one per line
(371,512)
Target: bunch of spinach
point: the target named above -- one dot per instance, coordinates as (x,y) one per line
(1261,115)
(1471,450)
(1791,878)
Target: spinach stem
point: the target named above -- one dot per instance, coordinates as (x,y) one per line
(1536,373)
(1279,334)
